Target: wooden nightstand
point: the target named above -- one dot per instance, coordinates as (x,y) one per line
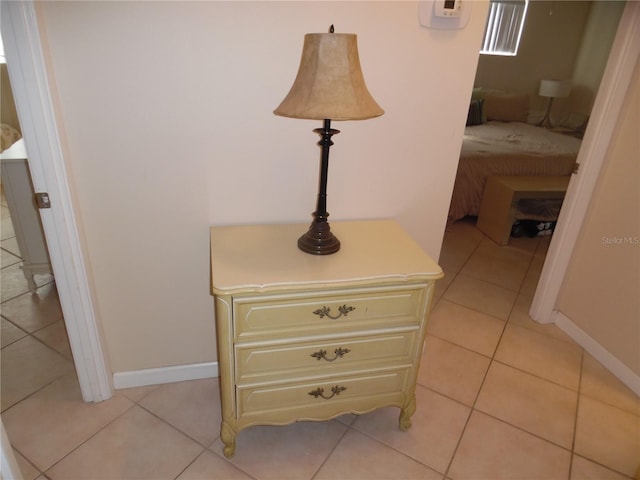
(306,337)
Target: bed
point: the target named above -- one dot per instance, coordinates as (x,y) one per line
(505,146)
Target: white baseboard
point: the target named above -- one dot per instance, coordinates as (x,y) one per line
(155,376)
(611,363)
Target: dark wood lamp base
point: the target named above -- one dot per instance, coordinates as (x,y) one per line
(319,240)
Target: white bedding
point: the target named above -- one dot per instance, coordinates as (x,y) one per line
(515,137)
(507,148)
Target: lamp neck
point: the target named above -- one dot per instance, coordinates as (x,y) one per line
(325,143)
(319,240)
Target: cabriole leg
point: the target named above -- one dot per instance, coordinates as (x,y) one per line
(406,413)
(228,437)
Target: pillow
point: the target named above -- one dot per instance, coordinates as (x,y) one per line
(507,108)
(8,136)
(475,115)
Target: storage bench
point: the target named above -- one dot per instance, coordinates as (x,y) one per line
(501,197)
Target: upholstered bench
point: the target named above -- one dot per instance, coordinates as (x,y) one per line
(501,197)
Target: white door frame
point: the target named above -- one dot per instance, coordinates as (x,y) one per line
(625,53)
(9,469)
(29,82)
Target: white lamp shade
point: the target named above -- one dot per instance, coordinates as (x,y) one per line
(554,88)
(329,84)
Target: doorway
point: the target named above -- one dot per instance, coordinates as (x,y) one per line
(35,349)
(504,79)
(26,68)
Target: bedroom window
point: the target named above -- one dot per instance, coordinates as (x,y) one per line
(504,27)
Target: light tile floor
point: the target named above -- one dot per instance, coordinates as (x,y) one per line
(499,397)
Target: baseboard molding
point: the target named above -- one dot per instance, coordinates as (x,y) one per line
(155,376)
(611,363)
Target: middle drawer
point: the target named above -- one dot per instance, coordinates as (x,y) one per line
(272,362)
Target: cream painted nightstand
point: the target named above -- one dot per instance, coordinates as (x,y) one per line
(306,337)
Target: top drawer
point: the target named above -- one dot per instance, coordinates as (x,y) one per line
(327,311)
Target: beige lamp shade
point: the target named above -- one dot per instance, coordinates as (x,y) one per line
(554,88)
(329,84)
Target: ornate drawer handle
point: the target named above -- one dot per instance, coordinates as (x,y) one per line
(326,312)
(322,354)
(319,392)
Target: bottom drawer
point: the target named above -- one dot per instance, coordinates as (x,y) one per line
(310,395)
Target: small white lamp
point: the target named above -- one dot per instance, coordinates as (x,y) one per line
(552,89)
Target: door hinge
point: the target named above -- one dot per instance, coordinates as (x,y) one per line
(576,167)
(42,200)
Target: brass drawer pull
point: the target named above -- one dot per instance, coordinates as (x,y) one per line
(326,312)
(322,354)
(319,392)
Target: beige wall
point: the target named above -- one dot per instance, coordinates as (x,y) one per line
(8,112)
(561,40)
(600,290)
(591,61)
(166,115)
(550,42)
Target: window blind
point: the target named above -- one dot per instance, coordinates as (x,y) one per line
(504,27)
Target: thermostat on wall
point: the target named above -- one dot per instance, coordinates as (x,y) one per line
(444,14)
(447,8)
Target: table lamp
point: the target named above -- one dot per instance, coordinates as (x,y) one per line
(552,89)
(329,86)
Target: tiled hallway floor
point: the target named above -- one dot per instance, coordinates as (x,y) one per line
(499,397)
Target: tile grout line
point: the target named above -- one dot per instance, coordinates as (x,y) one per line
(472,408)
(524,278)
(531,254)
(218,455)
(44,472)
(577,391)
(575,417)
(174,427)
(457,272)
(27,292)
(606,467)
(391,447)
(205,449)
(475,400)
(6,250)
(133,404)
(4,412)
(6,319)
(322,464)
(492,360)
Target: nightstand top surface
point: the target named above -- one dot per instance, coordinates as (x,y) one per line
(256,258)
